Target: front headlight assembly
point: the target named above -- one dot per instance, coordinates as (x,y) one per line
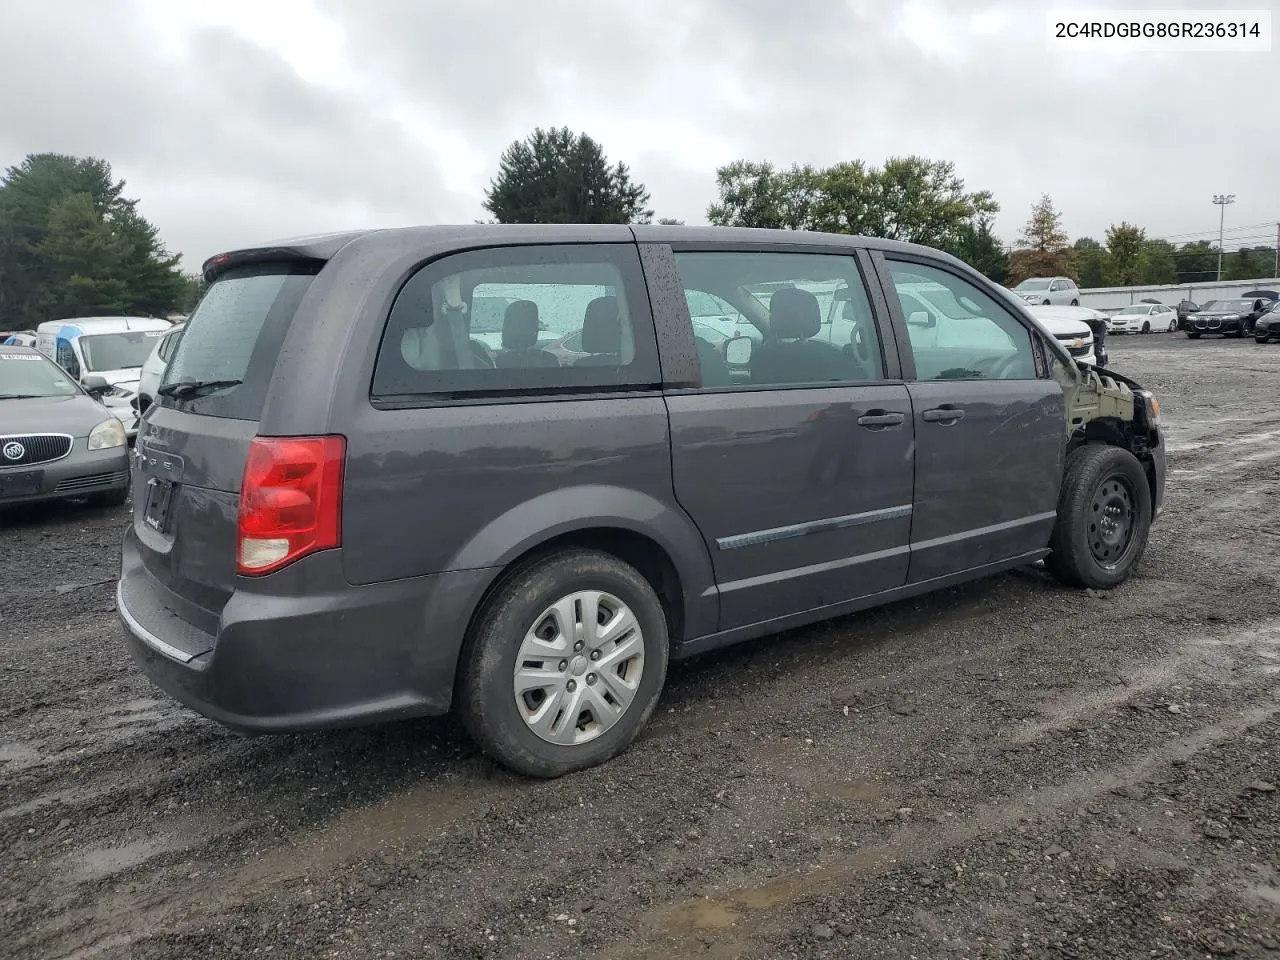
(109,433)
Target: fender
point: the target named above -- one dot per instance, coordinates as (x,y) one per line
(580,508)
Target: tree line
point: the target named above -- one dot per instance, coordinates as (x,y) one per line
(72,244)
(557,176)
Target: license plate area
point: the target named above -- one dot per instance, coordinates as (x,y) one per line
(22,483)
(159,500)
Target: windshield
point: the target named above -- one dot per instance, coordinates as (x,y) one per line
(1227,305)
(1033,285)
(119,351)
(31,375)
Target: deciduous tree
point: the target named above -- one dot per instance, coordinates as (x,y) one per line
(1126,244)
(1091,263)
(1041,249)
(909,198)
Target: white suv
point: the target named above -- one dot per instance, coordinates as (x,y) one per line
(1044,291)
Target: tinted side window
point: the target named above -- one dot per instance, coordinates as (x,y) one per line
(957,331)
(807,316)
(575,317)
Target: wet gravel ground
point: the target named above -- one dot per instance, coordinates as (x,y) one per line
(1008,769)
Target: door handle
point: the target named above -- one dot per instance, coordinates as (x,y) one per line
(881,419)
(945,414)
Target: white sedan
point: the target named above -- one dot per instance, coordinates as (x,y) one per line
(1144,318)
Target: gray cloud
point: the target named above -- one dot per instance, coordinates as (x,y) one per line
(229,144)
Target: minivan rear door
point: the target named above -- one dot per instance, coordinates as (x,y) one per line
(194,440)
(797,467)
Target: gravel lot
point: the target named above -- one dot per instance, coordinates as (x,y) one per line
(1006,769)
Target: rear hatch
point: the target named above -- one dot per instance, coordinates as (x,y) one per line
(194,440)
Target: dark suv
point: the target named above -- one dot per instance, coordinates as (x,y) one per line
(349,507)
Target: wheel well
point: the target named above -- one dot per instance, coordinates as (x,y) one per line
(628,546)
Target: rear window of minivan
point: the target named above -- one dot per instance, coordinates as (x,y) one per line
(234,335)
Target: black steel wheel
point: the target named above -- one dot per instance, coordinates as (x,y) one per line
(1104,518)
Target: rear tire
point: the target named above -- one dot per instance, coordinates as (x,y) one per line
(1104,518)
(1075,303)
(523,618)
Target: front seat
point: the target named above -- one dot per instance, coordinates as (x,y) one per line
(601,334)
(789,354)
(520,338)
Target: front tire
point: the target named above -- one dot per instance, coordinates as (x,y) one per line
(1260,339)
(1146,326)
(565,664)
(1192,336)
(1104,518)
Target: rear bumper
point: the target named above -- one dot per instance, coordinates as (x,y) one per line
(287,659)
(79,474)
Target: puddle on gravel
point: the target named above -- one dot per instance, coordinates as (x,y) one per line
(1268,893)
(19,755)
(364,831)
(98,863)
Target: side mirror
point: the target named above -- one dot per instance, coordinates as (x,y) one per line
(94,385)
(737,351)
(921,318)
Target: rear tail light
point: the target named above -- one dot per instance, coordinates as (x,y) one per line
(290,501)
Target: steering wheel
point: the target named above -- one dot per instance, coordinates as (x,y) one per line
(859,347)
(1006,365)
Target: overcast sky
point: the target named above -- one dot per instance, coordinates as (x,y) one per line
(242,120)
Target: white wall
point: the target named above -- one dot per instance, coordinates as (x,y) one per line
(1098,297)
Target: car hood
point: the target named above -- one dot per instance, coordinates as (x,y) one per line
(72,415)
(1221,313)
(1064,328)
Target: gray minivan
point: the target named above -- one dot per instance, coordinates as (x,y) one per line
(350,508)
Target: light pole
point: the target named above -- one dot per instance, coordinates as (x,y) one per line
(1222,199)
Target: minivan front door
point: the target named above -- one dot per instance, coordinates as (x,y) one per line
(990,430)
(797,465)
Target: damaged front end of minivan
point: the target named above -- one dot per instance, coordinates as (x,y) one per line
(1106,407)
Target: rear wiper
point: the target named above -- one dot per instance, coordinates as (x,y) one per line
(186,389)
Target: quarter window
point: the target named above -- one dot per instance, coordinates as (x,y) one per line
(67,359)
(519,319)
(958,332)
(806,318)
